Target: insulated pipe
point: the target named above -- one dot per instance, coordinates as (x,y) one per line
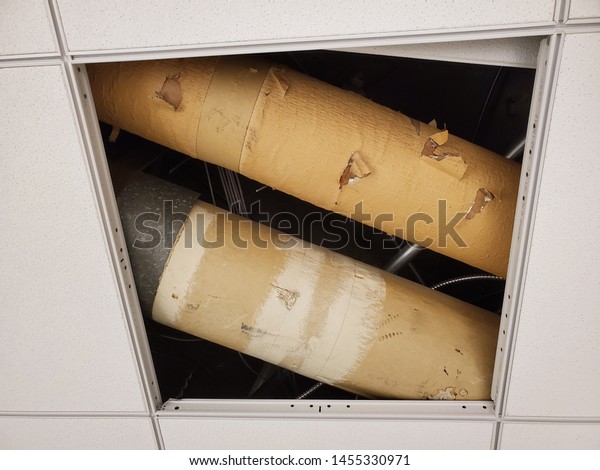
(152,212)
(315,312)
(330,147)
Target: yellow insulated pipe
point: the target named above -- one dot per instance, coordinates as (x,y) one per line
(330,147)
(320,314)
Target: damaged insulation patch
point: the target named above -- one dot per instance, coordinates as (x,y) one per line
(289,297)
(448,393)
(279,83)
(355,170)
(433,144)
(171,91)
(482,197)
(280,80)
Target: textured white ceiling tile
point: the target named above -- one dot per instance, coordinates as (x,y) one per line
(26,28)
(204,433)
(555,370)
(550,436)
(124,24)
(17,432)
(63,341)
(584,9)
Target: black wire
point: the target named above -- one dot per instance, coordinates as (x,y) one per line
(489,294)
(186,382)
(174,338)
(487,99)
(248,366)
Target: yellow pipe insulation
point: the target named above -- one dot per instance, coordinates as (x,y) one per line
(330,147)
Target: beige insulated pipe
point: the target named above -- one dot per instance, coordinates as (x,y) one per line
(318,313)
(330,147)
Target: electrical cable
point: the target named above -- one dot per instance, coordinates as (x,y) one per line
(472,277)
(248,366)
(487,294)
(186,383)
(416,273)
(487,99)
(212,194)
(174,338)
(315,387)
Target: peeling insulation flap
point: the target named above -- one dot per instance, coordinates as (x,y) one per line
(321,314)
(330,147)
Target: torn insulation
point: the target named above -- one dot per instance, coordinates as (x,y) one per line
(284,129)
(278,74)
(482,198)
(355,170)
(288,296)
(171,91)
(433,144)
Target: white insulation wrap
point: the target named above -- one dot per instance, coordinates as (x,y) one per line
(320,314)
